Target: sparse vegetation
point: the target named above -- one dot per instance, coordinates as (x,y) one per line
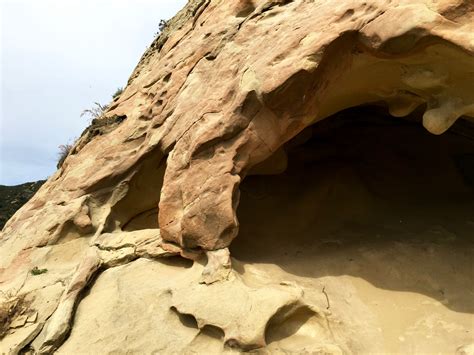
(161,27)
(96,111)
(64,150)
(99,124)
(117,93)
(36,271)
(10,308)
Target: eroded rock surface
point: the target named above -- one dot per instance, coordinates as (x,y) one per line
(228,91)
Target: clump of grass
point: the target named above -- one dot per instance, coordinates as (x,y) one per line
(9,310)
(36,271)
(95,111)
(64,150)
(117,93)
(161,27)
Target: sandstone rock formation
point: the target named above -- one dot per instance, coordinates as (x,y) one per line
(355,227)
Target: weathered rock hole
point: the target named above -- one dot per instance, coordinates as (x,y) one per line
(186,320)
(246,10)
(235,345)
(167,78)
(213,332)
(283,325)
(347,15)
(139,208)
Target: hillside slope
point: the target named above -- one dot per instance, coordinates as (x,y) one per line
(13,197)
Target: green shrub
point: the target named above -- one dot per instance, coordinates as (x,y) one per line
(95,111)
(117,93)
(36,271)
(64,150)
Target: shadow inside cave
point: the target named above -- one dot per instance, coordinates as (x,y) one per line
(370,196)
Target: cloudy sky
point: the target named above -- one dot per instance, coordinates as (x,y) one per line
(57,58)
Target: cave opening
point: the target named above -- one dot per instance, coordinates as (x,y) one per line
(372,196)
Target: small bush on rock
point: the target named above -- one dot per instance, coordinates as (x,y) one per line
(64,150)
(95,111)
(36,271)
(117,93)
(161,27)
(10,308)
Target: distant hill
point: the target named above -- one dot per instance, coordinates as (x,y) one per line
(13,197)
